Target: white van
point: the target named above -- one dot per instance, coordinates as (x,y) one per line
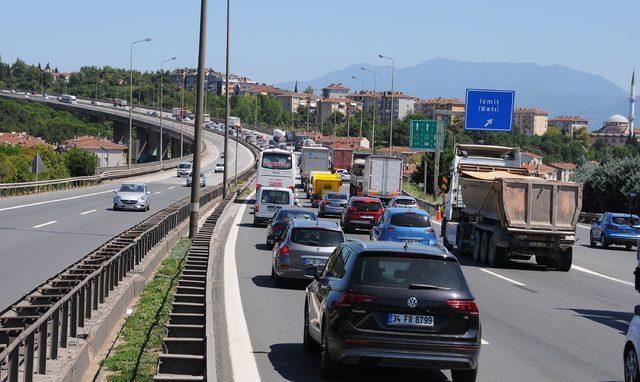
(270,200)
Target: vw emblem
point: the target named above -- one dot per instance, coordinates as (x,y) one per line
(412,302)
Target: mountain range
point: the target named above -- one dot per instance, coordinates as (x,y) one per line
(557,89)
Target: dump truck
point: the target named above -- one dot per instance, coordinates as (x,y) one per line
(496,211)
(382,177)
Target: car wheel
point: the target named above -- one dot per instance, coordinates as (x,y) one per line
(477,236)
(308,344)
(115,208)
(464,375)
(495,254)
(592,242)
(148,207)
(631,372)
(255,222)
(484,247)
(603,241)
(628,247)
(328,367)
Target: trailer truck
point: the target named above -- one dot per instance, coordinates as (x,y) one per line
(382,177)
(313,158)
(496,211)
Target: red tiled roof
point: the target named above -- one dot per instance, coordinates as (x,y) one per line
(564,166)
(268,89)
(295,95)
(325,139)
(88,142)
(531,155)
(568,118)
(441,101)
(365,94)
(339,86)
(540,168)
(21,139)
(535,110)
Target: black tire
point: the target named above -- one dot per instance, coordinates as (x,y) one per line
(631,369)
(495,254)
(592,243)
(565,260)
(460,247)
(477,238)
(115,208)
(464,375)
(484,247)
(628,247)
(308,344)
(255,222)
(328,368)
(542,260)
(148,207)
(277,280)
(603,241)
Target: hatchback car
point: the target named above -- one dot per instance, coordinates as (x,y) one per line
(361,212)
(403,202)
(333,203)
(392,304)
(304,243)
(203,179)
(282,218)
(631,346)
(184,168)
(219,167)
(406,225)
(615,228)
(132,196)
(270,200)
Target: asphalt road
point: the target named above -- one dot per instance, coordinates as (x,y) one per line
(538,325)
(42,234)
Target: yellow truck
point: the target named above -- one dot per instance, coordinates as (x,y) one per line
(323,183)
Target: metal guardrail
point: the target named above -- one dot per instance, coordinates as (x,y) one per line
(42,322)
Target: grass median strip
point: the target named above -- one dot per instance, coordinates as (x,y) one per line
(135,356)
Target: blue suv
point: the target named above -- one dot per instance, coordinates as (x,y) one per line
(406,225)
(615,228)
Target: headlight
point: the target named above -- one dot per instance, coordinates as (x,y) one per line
(141,199)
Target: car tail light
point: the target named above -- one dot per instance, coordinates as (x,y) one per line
(612,227)
(348,299)
(352,209)
(429,230)
(325,203)
(284,251)
(464,306)
(257,207)
(258,186)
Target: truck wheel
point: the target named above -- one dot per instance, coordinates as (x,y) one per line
(476,245)
(565,260)
(495,254)
(484,247)
(460,247)
(541,260)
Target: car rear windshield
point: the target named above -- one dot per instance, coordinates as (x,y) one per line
(366,206)
(184,165)
(302,215)
(626,220)
(334,195)
(317,237)
(131,188)
(405,202)
(406,271)
(410,219)
(277,161)
(275,197)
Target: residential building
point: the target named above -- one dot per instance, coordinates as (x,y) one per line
(368,99)
(259,89)
(342,142)
(21,139)
(108,154)
(569,124)
(531,121)
(335,91)
(563,170)
(403,105)
(326,107)
(429,107)
(614,132)
(530,158)
(291,101)
(214,81)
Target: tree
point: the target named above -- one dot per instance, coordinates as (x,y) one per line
(308,90)
(271,110)
(81,162)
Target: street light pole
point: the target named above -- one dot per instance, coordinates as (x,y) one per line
(161,91)
(182,115)
(362,93)
(131,153)
(197,140)
(225,174)
(375,101)
(393,71)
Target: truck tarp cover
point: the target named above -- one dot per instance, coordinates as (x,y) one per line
(492,175)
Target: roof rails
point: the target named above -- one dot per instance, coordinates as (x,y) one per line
(357,241)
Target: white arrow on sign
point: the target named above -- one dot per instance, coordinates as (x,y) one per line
(489,122)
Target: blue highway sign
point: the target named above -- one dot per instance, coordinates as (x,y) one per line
(490,110)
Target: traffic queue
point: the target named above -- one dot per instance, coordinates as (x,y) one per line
(396,298)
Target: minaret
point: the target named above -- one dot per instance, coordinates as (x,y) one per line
(632,104)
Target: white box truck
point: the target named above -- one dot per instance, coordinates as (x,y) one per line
(382,177)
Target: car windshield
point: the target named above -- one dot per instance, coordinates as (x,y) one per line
(410,219)
(366,206)
(405,271)
(316,237)
(303,215)
(405,202)
(131,188)
(184,165)
(336,195)
(275,197)
(626,220)
(220,164)
(277,161)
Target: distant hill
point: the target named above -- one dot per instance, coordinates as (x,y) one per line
(557,89)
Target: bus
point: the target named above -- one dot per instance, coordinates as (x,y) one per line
(276,169)
(68,99)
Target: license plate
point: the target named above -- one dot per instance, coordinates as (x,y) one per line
(275,183)
(395,319)
(366,217)
(411,241)
(315,262)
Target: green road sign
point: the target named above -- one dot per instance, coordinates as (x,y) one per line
(422,135)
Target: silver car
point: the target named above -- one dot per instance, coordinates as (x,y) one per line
(304,243)
(132,196)
(333,203)
(203,179)
(403,202)
(184,169)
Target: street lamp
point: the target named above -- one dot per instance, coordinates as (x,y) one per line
(161,88)
(361,92)
(225,173)
(130,95)
(375,101)
(393,71)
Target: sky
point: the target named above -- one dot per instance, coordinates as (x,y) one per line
(278,40)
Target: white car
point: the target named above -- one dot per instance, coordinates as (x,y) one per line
(219,167)
(184,169)
(403,202)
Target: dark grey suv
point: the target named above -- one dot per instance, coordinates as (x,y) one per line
(392,304)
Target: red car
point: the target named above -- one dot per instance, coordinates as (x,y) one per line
(361,212)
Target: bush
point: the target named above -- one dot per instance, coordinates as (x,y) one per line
(81,162)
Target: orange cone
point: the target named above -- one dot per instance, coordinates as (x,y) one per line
(439,214)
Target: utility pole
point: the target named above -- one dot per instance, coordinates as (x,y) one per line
(255,121)
(225,174)
(131,153)
(375,101)
(195,173)
(393,71)
(348,118)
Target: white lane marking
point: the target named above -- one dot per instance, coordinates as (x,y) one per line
(172,187)
(87,212)
(54,200)
(243,362)
(512,281)
(594,273)
(584,226)
(44,224)
(157,192)
(484,342)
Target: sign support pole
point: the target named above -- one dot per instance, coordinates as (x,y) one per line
(436,159)
(426,161)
